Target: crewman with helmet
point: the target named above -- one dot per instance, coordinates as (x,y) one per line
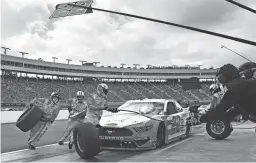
(77,109)
(248,70)
(217,95)
(50,107)
(97,102)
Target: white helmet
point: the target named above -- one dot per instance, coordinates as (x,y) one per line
(213,87)
(55,94)
(80,93)
(102,88)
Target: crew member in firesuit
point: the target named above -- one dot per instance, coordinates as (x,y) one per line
(217,95)
(240,92)
(50,107)
(97,102)
(77,108)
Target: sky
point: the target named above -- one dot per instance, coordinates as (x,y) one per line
(113,39)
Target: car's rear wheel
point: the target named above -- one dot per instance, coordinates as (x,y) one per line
(160,136)
(86,140)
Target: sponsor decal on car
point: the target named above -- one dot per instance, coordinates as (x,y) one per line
(111,138)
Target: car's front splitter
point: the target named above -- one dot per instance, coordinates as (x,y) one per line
(127,143)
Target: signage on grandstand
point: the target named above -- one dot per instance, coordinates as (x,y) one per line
(64,9)
(12,104)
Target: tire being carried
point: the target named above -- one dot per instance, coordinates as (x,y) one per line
(86,140)
(219,129)
(29,118)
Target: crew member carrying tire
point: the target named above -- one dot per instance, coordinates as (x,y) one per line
(77,109)
(50,107)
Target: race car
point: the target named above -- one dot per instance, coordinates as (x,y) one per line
(144,125)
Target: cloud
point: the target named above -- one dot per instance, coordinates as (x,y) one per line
(114,39)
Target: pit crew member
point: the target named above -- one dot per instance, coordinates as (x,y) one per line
(76,106)
(50,107)
(97,102)
(217,95)
(248,70)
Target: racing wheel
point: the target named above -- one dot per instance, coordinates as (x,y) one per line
(218,126)
(219,129)
(29,118)
(86,140)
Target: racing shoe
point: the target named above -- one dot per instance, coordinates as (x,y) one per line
(31,147)
(61,143)
(70,145)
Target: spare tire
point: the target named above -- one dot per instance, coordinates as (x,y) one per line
(86,140)
(29,118)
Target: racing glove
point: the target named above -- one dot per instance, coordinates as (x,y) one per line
(113,110)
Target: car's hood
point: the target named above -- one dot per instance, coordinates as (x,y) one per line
(122,120)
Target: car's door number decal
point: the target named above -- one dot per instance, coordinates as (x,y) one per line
(172,128)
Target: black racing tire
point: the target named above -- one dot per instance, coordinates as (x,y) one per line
(160,141)
(86,140)
(219,135)
(29,118)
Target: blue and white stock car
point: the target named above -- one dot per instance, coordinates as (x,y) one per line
(151,128)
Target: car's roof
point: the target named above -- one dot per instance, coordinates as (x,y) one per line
(152,100)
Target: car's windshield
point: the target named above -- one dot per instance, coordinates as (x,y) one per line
(149,108)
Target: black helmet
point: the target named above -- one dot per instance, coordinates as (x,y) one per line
(227,73)
(246,69)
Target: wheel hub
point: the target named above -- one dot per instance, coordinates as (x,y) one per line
(217,127)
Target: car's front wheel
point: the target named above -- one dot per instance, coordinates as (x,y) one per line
(86,140)
(160,136)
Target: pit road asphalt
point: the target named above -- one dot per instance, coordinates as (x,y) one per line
(240,146)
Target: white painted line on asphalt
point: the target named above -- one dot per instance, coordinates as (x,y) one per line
(22,150)
(201,134)
(171,146)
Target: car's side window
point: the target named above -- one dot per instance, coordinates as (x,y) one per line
(171,108)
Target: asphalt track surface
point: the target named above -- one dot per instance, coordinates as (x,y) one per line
(239,147)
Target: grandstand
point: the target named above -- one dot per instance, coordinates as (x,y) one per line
(23,79)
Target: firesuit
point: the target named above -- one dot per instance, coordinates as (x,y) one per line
(50,112)
(76,106)
(97,102)
(217,95)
